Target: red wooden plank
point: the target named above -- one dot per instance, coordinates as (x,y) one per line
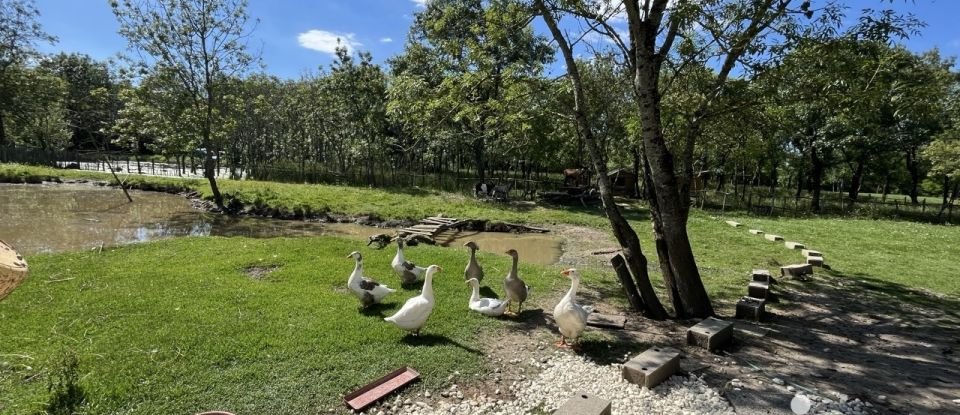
(376,390)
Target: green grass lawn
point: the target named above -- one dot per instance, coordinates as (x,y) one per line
(177,326)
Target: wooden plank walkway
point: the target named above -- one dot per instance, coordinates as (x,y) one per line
(432,226)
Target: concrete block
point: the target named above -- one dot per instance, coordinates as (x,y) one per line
(816,261)
(810,252)
(794,245)
(750,308)
(757,289)
(756,232)
(796,270)
(711,333)
(653,366)
(773,238)
(582,403)
(762,275)
(735,224)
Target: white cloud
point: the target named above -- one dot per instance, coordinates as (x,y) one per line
(386,39)
(326,42)
(420,3)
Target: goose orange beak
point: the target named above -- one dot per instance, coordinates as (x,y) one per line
(565,272)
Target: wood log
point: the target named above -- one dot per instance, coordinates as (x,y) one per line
(626,281)
(13,269)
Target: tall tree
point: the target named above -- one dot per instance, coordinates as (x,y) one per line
(203,44)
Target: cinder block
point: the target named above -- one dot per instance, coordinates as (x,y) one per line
(796,270)
(757,289)
(653,366)
(773,238)
(756,232)
(750,308)
(762,275)
(810,252)
(794,245)
(582,403)
(711,333)
(816,261)
(735,224)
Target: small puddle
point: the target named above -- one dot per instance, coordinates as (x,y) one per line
(38,218)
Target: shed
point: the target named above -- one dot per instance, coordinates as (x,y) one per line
(623,181)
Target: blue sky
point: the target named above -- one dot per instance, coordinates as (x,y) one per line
(295,37)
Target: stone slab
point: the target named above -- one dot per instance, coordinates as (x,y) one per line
(773,238)
(816,261)
(749,308)
(794,245)
(711,333)
(582,403)
(762,275)
(758,289)
(796,270)
(735,224)
(607,321)
(653,366)
(756,232)
(810,252)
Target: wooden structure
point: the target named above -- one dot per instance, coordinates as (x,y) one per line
(623,182)
(13,269)
(431,227)
(360,399)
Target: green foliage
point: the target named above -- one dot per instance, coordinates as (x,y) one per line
(67,397)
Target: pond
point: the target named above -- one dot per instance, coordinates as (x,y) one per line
(68,217)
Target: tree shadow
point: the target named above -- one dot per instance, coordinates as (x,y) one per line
(431,340)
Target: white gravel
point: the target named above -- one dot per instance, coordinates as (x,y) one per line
(563,375)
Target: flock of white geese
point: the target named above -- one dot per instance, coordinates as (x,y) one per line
(571,317)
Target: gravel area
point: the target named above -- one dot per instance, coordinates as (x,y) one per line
(564,374)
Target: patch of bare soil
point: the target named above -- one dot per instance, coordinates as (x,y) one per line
(260,272)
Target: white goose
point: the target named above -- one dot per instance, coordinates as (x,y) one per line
(414,313)
(367,290)
(486,306)
(571,317)
(408,271)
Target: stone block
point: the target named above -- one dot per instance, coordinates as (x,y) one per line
(762,275)
(816,261)
(773,238)
(735,224)
(582,403)
(810,252)
(711,333)
(757,289)
(750,308)
(756,232)
(796,270)
(794,245)
(653,366)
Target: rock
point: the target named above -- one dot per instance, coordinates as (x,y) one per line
(778,381)
(427,394)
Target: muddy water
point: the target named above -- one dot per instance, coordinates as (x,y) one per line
(69,217)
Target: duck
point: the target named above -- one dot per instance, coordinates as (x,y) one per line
(367,290)
(473,269)
(571,318)
(408,271)
(487,306)
(515,288)
(414,313)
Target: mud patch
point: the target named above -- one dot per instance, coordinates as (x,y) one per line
(260,272)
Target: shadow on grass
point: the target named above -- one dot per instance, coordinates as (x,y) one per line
(488,292)
(409,286)
(431,340)
(377,310)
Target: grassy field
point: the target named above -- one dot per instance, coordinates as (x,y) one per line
(175,327)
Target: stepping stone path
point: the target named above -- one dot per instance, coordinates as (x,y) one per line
(762,275)
(810,252)
(735,224)
(582,403)
(816,261)
(756,232)
(758,289)
(749,308)
(796,270)
(606,321)
(711,334)
(773,238)
(794,245)
(653,366)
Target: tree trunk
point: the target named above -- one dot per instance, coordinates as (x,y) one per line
(663,251)
(857,180)
(672,209)
(913,166)
(816,177)
(625,234)
(3,140)
(637,166)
